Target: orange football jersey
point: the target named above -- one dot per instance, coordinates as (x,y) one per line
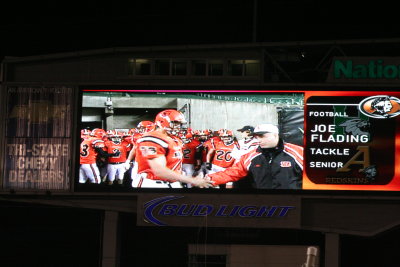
(222,156)
(123,148)
(189,151)
(88,153)
(155,144)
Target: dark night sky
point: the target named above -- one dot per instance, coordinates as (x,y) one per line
(35,28)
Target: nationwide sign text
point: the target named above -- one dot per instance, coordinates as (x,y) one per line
(373,69)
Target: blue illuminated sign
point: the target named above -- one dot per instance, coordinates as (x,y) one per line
(201,210)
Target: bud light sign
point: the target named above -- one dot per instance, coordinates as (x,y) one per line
(157,210)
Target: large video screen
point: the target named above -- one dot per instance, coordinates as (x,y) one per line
(133,140)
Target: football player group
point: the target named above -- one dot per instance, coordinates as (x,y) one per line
(167,154)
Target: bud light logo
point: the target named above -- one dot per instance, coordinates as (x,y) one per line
(152,204)
(159,207)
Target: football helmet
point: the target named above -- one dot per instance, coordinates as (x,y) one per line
(122,133)
(98,132)
(226,136)
(117,139)
(170,120)
(114,136)
(85,132)
(110,133)
(132,131)
(187,138)
(145,126)
(202,135)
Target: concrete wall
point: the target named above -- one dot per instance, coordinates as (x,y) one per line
(129,102)
(94,108)
(204,114)
(215,114)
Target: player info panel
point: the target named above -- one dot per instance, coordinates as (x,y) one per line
(351,141)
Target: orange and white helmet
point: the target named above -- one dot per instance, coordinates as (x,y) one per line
(202,134)
(117,138)
(184,131)
(205,132)
(84,133)
(110,133)
(187,137)
(226,136)
(132,131)
(113,136)
(170,120)
(145,126)
(196,134)
(122,133)
(98,132)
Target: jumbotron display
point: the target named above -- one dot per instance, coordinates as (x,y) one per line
(239,140)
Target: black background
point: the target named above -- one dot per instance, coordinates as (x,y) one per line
(42,27)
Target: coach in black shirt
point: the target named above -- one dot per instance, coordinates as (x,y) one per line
(274,164)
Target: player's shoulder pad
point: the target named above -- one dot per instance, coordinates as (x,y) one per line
(153,139)
(98,143)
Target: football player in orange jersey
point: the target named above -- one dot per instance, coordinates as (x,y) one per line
(219,156)
(206,144)
(129,137)
(142,128)
(145,127)
(90,148)
(115,164)
(101,161)
(159,156)
(85,134)
(191,154)
(98,133)
(126,137)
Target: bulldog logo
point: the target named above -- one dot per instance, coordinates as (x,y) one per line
(380,107)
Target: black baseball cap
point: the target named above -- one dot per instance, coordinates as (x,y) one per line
(246,128)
